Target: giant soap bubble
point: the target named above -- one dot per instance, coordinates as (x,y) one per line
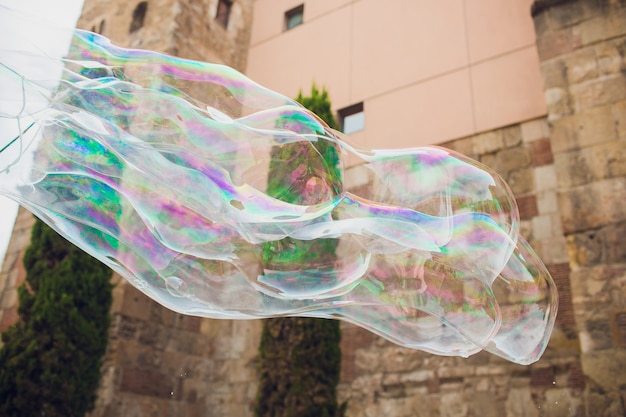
(176,174)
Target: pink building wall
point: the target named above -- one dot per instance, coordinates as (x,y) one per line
(427,72)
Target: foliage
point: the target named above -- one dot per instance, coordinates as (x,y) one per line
(319,103)
(300,362)
(51,358)
(300,358)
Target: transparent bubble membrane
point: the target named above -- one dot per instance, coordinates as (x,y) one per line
(159,167)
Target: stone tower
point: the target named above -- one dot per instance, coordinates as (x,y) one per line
(159,363)
(205,30)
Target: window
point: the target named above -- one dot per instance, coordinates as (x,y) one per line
(99,29)
(139,15)
(223,12)
(294,17)
(352,118)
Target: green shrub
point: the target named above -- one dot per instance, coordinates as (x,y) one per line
(51,358)
(300,358)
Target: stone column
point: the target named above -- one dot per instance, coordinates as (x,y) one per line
(582,48)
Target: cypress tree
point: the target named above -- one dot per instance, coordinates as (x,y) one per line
(50,361)
(300,358)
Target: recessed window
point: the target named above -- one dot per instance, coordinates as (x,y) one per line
(139,15)
(352,118)
(294,17)
(223,12)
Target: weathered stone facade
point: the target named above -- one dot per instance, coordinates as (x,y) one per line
(379,378)
(567,170)
(582,47)
(184,28)
(160,363)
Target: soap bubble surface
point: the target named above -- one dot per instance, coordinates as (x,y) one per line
(160,168)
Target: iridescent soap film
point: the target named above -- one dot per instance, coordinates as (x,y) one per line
(219,198)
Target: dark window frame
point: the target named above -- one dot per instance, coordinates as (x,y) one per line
(139,16)
(350,111)
(289,14)
(222,14)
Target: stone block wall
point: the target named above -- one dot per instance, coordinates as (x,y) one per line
(183,28)
(582,48)
(202,38)
(379,378)
(161,364)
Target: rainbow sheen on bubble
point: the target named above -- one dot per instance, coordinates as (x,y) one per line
(160,168)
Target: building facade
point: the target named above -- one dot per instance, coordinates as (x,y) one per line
(534,90)
(423,73)
(540,97)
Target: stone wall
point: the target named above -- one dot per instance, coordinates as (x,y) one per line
(160,363)
(582,48)
(202,38)
(379,378)
(183,28)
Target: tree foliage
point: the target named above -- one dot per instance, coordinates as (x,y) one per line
(51,358)
(300,358)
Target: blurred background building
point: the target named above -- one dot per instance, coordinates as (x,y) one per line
(535,90)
